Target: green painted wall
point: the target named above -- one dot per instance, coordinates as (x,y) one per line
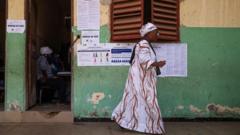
(210,90)
(15,72)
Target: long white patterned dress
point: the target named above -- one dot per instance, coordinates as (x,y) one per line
(138,110)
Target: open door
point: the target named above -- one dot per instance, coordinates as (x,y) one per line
(2,51)
(48,24)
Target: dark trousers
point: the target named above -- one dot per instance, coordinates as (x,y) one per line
(56,84)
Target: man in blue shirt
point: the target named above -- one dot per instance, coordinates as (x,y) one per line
(47,73)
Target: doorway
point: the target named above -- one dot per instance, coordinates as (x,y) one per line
(48,75)
(2,51)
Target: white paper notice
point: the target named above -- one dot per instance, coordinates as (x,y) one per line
(90,38)
(118,54)
(88,15)
(93,56)
(108,54)
(176,59)
(16,26)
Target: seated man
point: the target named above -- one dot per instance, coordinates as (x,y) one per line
(47,70)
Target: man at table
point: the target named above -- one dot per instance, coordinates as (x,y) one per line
(47,71)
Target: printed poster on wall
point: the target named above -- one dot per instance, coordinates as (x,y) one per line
(104,55)
(16,26)
(93,55)
(119,54)
(176,59)
(88,14)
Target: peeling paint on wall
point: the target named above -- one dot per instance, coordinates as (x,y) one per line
(14,106)
(220,109)
(93,114)
(180,107)
(101,111)
(105,2)
(106,111)
(194,109)
(97,97)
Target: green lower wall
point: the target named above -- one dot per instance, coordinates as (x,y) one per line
(210,90)
(15,72)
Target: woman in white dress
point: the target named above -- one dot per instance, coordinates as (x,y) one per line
(138,110)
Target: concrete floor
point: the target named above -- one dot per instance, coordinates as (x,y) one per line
(1,106)
(110,128)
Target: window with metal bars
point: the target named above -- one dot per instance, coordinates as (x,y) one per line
(127,17)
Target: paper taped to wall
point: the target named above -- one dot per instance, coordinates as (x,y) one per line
(118,54)
(16,26)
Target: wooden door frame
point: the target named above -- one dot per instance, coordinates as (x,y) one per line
(27,57)
(5,50)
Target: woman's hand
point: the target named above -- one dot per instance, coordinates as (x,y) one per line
(161,63)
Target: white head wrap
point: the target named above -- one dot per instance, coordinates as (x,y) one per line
(45,50)
(147,28)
